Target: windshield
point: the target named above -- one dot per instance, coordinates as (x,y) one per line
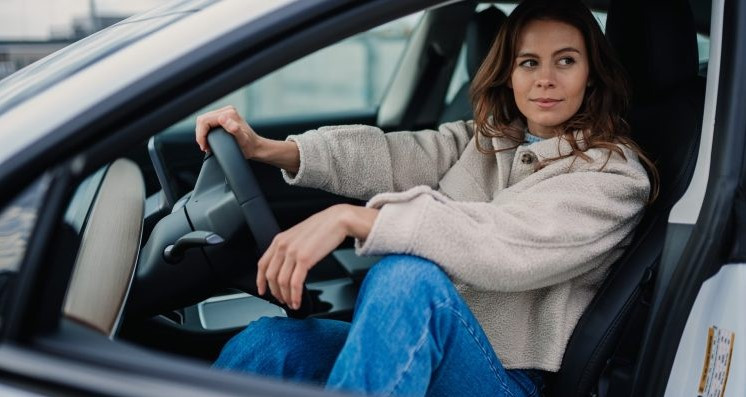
(53,68)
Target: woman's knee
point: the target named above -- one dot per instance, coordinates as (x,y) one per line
(402,275)
(247,346)
(303,350)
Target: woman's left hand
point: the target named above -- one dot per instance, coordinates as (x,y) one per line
(294,252)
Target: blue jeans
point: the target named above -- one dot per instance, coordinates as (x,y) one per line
(411,335)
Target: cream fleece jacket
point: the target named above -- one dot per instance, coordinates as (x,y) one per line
(526,248)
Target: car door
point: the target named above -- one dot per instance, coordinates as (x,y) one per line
(46,352)
(42,352)
(690,346)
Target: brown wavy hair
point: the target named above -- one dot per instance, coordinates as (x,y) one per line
(600,117)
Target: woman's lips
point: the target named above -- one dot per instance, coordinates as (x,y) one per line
(546,103)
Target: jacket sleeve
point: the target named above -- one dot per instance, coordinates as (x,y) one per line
(551,232)
(361,161)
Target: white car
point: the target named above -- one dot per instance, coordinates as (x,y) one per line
(127,257)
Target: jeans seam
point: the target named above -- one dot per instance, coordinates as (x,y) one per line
(417,347)
(421,341)
(535,391)
(485,353)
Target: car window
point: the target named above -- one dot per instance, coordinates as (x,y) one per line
(349,76)
(703,48)
(17,220)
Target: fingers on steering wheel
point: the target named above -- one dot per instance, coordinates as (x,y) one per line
(200,131)
(230,125)
(207,121)
(203,124)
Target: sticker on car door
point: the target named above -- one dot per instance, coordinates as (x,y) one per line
(716,368)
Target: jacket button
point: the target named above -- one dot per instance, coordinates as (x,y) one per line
(527,158)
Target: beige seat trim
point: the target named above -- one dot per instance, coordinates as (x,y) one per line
(106,260)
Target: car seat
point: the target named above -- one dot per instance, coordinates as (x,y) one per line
(480,33)
(656,42)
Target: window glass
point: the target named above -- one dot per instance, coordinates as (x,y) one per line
(460,76)
(349,76)
(703,48)
(17,220)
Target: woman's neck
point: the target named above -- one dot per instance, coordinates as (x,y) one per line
(541,131)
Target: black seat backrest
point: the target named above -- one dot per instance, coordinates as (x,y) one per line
(480,33)
(656,42)
(659,51)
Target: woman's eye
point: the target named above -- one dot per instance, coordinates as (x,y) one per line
(528,63)
(566,61)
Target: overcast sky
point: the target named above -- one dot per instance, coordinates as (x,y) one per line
(37,19)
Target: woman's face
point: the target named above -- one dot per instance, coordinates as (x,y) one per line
(550,74)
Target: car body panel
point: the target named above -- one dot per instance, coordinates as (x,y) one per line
(687,208)
(711,358)
(48,119)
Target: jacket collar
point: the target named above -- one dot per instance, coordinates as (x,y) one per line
(552,147)
(544,149)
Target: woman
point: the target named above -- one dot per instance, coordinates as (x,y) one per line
(535,199)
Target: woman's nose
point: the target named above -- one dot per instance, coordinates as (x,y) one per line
(545,78)
(545,83)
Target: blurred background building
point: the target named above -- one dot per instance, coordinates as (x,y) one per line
(32,29)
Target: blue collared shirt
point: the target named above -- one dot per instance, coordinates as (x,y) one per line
(529,138)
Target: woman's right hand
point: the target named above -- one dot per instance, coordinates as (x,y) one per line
(229,119)
(282,154)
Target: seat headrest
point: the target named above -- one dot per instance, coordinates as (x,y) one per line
(656,42)
(480,33)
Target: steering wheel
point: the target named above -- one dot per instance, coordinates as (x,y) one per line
(253,204)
